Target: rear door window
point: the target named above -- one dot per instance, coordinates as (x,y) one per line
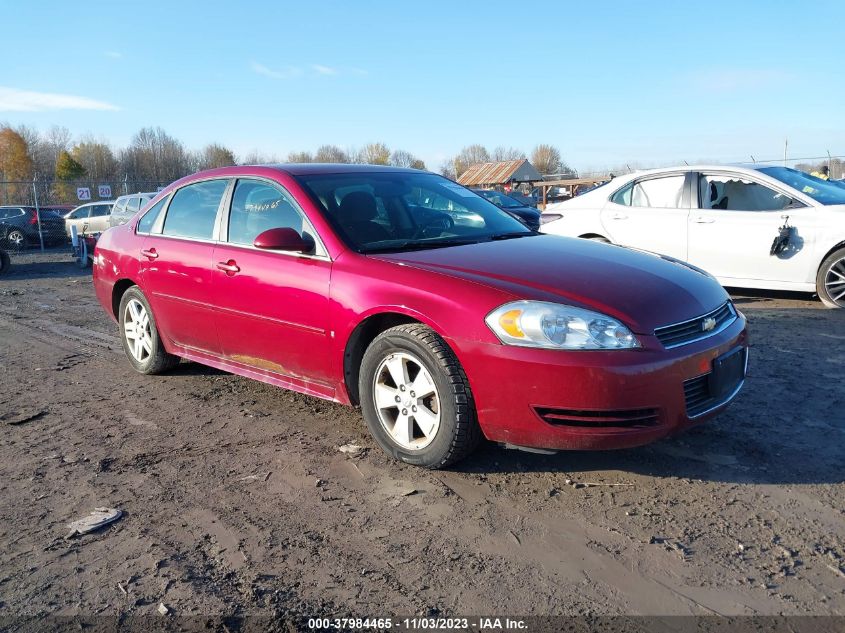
(99,210)
(193,210)
(133,205)
(659,193)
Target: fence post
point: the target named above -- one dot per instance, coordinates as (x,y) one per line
(37,211)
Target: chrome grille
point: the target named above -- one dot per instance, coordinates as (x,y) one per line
(694,329)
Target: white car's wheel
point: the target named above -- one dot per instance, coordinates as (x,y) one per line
(830,281)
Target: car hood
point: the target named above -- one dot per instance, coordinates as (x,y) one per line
(643,290)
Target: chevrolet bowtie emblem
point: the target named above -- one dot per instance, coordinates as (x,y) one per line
(708,324)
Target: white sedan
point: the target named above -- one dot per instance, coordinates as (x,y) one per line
(724,220)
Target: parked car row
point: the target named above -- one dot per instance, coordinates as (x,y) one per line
(765,227)
(423,302)
(19,225)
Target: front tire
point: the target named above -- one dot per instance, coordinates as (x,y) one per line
(416,398)
(830,280)
(139,335)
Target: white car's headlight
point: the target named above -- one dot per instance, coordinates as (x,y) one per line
(558,326)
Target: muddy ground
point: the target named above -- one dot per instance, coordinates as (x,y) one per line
(218,478)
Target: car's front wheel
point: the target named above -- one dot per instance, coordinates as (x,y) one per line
(139,335)
(830,281)
(416,398)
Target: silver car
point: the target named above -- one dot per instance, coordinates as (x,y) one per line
(127,206)
(92,217)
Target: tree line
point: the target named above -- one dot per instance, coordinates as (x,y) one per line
(57,160)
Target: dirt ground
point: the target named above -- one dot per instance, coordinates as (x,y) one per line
(237,500)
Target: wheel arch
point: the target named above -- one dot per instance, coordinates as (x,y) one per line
(830,252)
(361,337)
(590,236)
(118,290)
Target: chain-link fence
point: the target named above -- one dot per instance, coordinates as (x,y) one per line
(38,214)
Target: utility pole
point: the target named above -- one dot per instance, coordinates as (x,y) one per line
(785,146)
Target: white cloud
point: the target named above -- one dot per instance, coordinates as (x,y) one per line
(324,70)
(15,100)
(285,73)
(113,54)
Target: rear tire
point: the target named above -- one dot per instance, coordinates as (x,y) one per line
(139,335)
(16,239)
(830,280)
(434,426)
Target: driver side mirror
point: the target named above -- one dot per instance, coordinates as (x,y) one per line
(284,239)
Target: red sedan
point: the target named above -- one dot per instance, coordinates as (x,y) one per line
(442,316)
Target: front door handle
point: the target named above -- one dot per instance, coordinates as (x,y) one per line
(703,220)
(150,253)
(230,267)
(618,216)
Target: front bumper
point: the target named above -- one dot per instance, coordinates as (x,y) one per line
(593,400)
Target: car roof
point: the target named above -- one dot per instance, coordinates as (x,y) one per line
(307,169)
(139,193)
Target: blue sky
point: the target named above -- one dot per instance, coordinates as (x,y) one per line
(608,83)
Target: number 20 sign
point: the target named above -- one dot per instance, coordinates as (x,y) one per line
(104,191)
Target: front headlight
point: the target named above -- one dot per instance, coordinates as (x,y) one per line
(557,326)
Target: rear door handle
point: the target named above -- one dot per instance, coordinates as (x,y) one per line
(151,253)
(703,220)
(230,267)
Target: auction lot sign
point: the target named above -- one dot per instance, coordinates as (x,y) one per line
(83,193)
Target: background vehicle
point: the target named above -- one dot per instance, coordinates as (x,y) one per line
(19,227)
(127,206)
(92,217)
(724,220)
(527,214)
(346,282)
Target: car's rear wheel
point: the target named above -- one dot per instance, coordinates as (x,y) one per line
(139,335)
(16,238)
(5,262)
(830,281)
(416,398)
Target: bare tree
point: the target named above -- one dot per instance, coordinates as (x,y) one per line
(214,155)
(469,156)
(401,158)
(330,154)
(97,158)
(300,157)
(374,154)
(507,153)
(155,157)
(546,159)
(258,158)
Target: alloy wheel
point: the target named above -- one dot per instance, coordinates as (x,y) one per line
(834,282)
(406,400)
(136,329)
(16,238)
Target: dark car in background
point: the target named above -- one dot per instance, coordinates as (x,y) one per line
(522,212)
(127,206)
(19,227)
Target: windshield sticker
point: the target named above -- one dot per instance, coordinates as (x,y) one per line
(461,191)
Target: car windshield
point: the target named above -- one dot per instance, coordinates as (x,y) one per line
(397,211)
(501,200)
(819,190)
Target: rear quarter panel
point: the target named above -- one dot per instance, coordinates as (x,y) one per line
(116,258)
